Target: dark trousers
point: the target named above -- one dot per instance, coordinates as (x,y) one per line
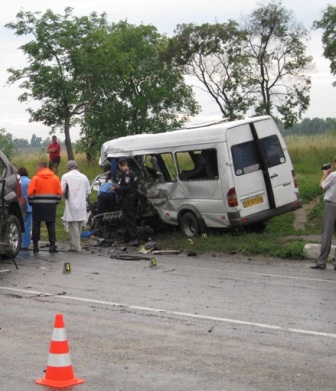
(107,202)
(329,227)
(36,231)
(129,209)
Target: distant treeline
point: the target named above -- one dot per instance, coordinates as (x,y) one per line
(35,142)
(309,127)
(306,127)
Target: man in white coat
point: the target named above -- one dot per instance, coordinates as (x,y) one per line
(75,188)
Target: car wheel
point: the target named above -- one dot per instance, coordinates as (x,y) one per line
(14,237)
(190,225)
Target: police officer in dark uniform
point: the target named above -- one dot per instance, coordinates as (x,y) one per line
(127,192)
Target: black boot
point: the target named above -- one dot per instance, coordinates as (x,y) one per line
(53,248)
(35,247)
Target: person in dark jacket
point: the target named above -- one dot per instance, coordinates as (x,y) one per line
(126,190)
(44,193)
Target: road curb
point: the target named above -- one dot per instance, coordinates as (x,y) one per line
(312,251)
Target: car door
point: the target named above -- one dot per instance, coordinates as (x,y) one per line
(279,173)
(261,167)
(247,171)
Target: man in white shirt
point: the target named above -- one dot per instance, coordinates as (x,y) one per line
(75,188)
(328,183)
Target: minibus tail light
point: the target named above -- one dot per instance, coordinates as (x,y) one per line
(232,198)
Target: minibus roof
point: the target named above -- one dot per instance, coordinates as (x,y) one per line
(145,143)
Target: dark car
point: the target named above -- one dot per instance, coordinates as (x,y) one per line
(12,209)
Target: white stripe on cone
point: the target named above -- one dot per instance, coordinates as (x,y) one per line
(58,335)
(59,360)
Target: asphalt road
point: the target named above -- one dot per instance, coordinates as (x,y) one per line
(189,323)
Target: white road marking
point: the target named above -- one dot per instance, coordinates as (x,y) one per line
(270,275)
(177,313)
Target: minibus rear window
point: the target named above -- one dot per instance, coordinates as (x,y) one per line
(272,151)
(245,158)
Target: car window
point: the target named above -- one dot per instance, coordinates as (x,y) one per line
(272,150)
(245,158)
(3,169)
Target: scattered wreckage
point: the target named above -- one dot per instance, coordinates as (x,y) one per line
(108,225)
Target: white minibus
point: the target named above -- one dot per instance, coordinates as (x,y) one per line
(221,175)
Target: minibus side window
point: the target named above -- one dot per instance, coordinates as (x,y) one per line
(272,150)
(3,169)
(245,158)
(197,165)
(160,167)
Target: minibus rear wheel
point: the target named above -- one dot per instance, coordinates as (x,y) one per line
(190,225)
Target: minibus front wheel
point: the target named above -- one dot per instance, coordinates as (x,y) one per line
(190,225)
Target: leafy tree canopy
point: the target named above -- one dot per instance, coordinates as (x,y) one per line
(214,54)
(258,66)
(136,89)
(21,143)
(328,24)
(276,46)
(111,79)
(53,75)
(6,143)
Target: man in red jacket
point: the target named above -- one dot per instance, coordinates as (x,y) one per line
(44,193)
(54,150)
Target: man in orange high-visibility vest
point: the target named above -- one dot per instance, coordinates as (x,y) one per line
(44,193)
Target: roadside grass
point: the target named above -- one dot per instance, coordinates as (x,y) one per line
(242,243)
(279,239)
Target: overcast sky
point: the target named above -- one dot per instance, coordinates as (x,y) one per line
(164,15)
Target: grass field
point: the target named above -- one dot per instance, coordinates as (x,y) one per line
(280,239)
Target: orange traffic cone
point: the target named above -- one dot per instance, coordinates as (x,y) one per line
(59,372)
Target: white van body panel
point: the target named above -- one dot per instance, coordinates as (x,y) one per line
(251,185)
(245,165)
(281,176)
(179,194)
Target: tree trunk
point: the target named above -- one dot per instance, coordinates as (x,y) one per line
(67,141)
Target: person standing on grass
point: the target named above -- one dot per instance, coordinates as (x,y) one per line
(44,193)
(26,236)
(75,189)
(54,150)
(328,183)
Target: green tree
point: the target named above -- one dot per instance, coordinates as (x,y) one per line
(54,74)
(328,24)
(21,143)
(7,145)
(45,143)
(276,48)
(35,141)
(136,89)
(214,55)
